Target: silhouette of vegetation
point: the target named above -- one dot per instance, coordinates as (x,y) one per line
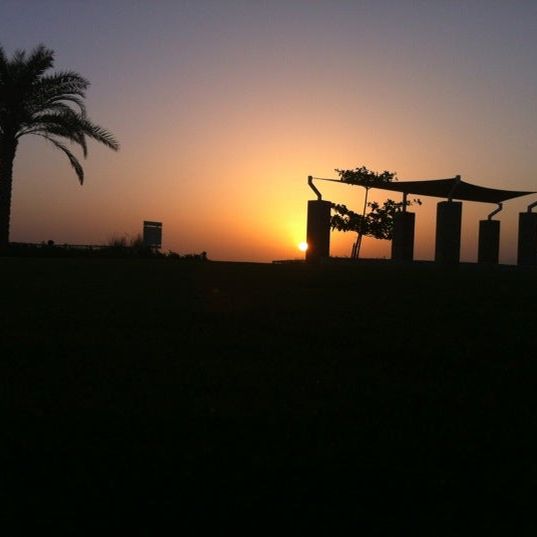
(133,245)
(190,257)
(118,242)
(368,179)
(51,106)
(378,223)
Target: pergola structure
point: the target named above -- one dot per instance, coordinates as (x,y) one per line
(448,220)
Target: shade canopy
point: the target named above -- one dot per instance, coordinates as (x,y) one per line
(453,188)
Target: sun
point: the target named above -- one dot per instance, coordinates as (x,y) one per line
(303,246)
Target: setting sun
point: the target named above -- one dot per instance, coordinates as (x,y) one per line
(303,246)
(226,136)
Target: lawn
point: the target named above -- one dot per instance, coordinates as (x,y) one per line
(144,393)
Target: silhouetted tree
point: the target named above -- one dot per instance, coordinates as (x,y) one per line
(378,223)
(47,105)
(368,179)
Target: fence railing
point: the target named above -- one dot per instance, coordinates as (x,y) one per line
(65,246)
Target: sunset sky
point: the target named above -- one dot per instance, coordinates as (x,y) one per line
(223,108)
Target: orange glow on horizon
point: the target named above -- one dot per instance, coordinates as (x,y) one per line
(226,133)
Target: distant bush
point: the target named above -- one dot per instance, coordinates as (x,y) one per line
(193,257)
(130,247)
(117,242)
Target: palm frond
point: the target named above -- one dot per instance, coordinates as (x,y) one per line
(65,124)
(43,100)
(64,87)
(101,135)
(57,106)
(72,159)
(40,59)
(54,101)
(54,107)
(3,58)
(63,116)
(19,57)
(66,82)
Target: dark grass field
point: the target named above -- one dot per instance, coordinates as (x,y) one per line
(144,394)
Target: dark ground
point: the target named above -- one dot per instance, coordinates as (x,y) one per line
(139,394)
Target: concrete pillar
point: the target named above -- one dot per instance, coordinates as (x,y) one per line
(403,236)
(448,232)
(489,241)
(527,239)
(318,230)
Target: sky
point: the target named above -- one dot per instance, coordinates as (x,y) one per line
(223,108)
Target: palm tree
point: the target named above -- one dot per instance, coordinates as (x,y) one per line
(46,105)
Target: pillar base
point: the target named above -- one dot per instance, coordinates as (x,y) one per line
(318,230)
(403,236)
(527,239)
(448,232)
(489,242)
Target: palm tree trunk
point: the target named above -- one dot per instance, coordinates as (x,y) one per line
(7,156)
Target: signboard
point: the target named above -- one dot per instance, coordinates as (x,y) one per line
(152,234)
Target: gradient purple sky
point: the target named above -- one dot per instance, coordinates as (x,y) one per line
(223,108)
